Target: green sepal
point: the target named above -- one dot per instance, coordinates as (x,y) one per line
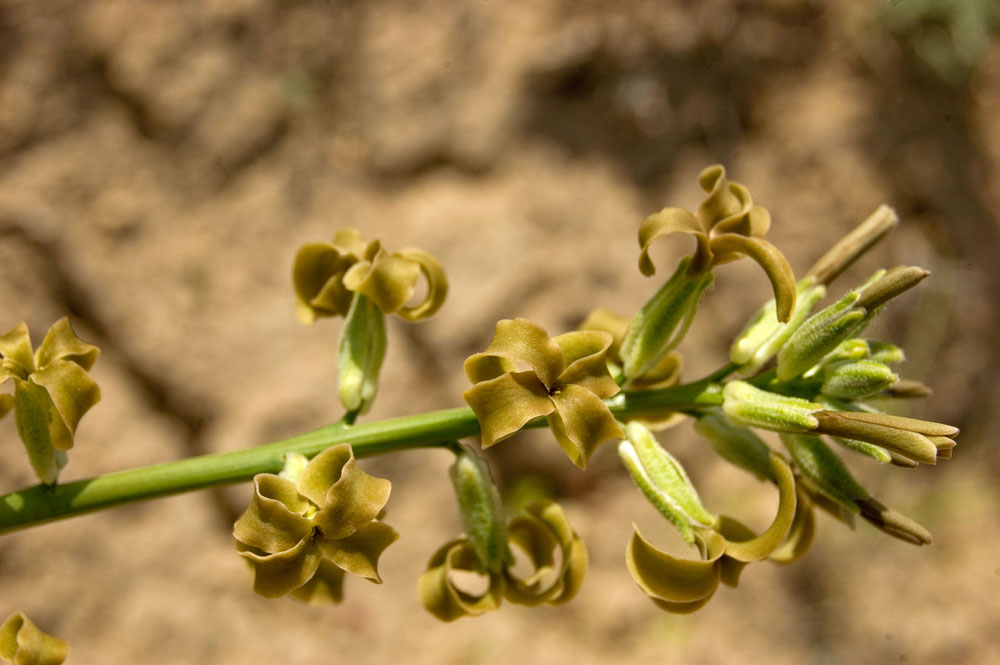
(663,321)
(824,470)
(362,350)
(818,336)
(23,643)
(663,481)
(42,431)
(764,335)
(737,445)
(481,511)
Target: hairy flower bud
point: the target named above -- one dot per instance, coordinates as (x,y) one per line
(746,404)
(480,509)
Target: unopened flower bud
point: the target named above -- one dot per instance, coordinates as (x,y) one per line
(918,440)
(856,379)
(746,404)
(663,480)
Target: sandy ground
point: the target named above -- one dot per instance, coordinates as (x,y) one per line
(161,162)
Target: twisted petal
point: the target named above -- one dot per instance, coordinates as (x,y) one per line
(539,534)
(615,325)
(274,521)
(350,243)
(61,343)
(22,643)
(359,552)
(769,258)
(15,346)
(755,549)
(325,587)
(801,533)
(388,279)
(278,573)
(518,342)
(317,275)
(665,222)
(72,390)
(346,496)
(440,595)
(505,404)
(585,353)
(725,199)
(437,284)
(581,423)
(680,585)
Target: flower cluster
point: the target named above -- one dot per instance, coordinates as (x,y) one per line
(302,534)
(52,392)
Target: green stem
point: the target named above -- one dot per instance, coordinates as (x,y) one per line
(40,504)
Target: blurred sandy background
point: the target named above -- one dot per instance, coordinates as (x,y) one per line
(160,162)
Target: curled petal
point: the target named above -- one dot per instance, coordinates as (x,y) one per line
(581,423)
(317,276)
(325,587)
(350,243)
(665,222)
(388,279)
(440,595)
(505,404)
(346,496)
(604,320)
(437,284)
(359,553)
(539,534)
(23,643)
(801,533)
(72,390)
(725,199)
(769,258)
(585,352)
(15,346)
(665,578)
(278,573)
(273,522)
(522,343)
(755,549)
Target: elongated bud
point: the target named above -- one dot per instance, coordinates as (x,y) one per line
(918,440)
(737,445)
(862,238)
(362,349)
(894,283)
(663,321)
(745,404)
(877,453)
(481,510)
(856,379)
(893,522)
(818,336)
(884,352)
(764,335)
(663,480)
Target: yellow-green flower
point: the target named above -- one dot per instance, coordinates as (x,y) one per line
(683,585)
(328,275)
(22,643)
(524,374)
(52,392)
(727,226)
(301,537)
(540,534)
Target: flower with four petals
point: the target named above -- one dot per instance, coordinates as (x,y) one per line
(524,374)
(302,536)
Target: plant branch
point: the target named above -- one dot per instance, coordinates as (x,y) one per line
(438,429)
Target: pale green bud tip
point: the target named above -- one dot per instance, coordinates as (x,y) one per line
(23,643)
(481,510)
(745,404)
(893,283)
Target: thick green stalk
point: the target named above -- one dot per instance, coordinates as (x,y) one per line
(40,504)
